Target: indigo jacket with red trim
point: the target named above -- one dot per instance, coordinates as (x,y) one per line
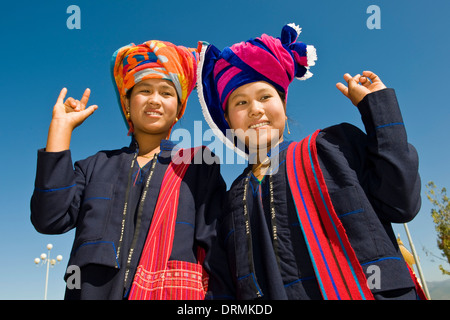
(91,197)
(373,181)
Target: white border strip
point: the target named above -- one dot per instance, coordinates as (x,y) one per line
(205,110)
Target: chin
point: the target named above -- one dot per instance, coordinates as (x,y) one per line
(266,140)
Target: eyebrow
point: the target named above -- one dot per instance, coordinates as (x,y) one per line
(166,86)
(237,96)
(259,91)
(163,86)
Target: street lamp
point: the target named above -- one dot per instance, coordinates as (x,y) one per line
(45,258)
(416,259)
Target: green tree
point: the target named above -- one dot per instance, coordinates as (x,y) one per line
(441,217)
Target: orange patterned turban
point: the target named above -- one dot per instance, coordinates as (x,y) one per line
(154,59)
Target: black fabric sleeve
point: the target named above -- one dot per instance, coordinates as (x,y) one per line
(393,180)
(58,189)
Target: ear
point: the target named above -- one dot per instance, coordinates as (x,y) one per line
(126,103)
(227,119)
(178,110)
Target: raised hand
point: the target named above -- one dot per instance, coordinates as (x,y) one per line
(67,115)
(72,112)
(359,86)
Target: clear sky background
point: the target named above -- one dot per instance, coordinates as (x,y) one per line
(40,55)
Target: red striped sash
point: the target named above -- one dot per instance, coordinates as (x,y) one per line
(156,277)
(338,271)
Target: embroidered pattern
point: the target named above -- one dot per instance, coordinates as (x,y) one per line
(180,281)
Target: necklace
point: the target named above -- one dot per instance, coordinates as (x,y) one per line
(148,156)
(259,170)
(139,213)
(272,207)
(273,221)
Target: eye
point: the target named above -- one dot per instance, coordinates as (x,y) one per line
(167,93)
(241,103)
(265,97)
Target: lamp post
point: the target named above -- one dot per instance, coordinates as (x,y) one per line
(416,259)
(45,258)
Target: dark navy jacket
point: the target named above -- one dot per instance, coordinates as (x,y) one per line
(91,199)
(373,181)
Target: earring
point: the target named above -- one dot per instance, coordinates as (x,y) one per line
(128,115)
(287,127)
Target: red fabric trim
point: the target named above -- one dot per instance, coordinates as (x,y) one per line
(339,274)
(156,277)
(180,280)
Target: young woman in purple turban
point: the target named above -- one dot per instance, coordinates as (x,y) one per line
(309,219)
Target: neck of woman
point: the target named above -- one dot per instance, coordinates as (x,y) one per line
(261,161)
(260,169)
(149,145)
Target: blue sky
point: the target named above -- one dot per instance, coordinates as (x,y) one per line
(40,55)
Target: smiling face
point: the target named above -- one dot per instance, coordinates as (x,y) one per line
(153,107)
(257,114)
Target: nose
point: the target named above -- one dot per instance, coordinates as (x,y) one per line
(154,99)
(255,109)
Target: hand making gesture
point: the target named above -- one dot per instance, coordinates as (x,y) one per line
(359,86)
(72,111)
(67,115)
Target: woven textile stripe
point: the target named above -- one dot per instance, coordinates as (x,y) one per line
(156,277)
(338,272)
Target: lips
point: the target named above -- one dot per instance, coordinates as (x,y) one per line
(259,124)
(153,113)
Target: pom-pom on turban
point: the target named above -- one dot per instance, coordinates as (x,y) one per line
(277,61)
(154,59)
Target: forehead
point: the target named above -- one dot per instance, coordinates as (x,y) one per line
(156,83)
(252,88)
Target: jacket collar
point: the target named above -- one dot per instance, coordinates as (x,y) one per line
(272,152)
(166,147)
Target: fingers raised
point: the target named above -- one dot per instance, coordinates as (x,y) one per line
(85,98)
(352,82)
(86,113)
(347,77)
(365,81)
(91,109)
(76,105)
(372,76)
(342,88)
(62,95)
(359,86)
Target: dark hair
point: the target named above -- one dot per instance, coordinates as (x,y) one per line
(282,96)
(129,91)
